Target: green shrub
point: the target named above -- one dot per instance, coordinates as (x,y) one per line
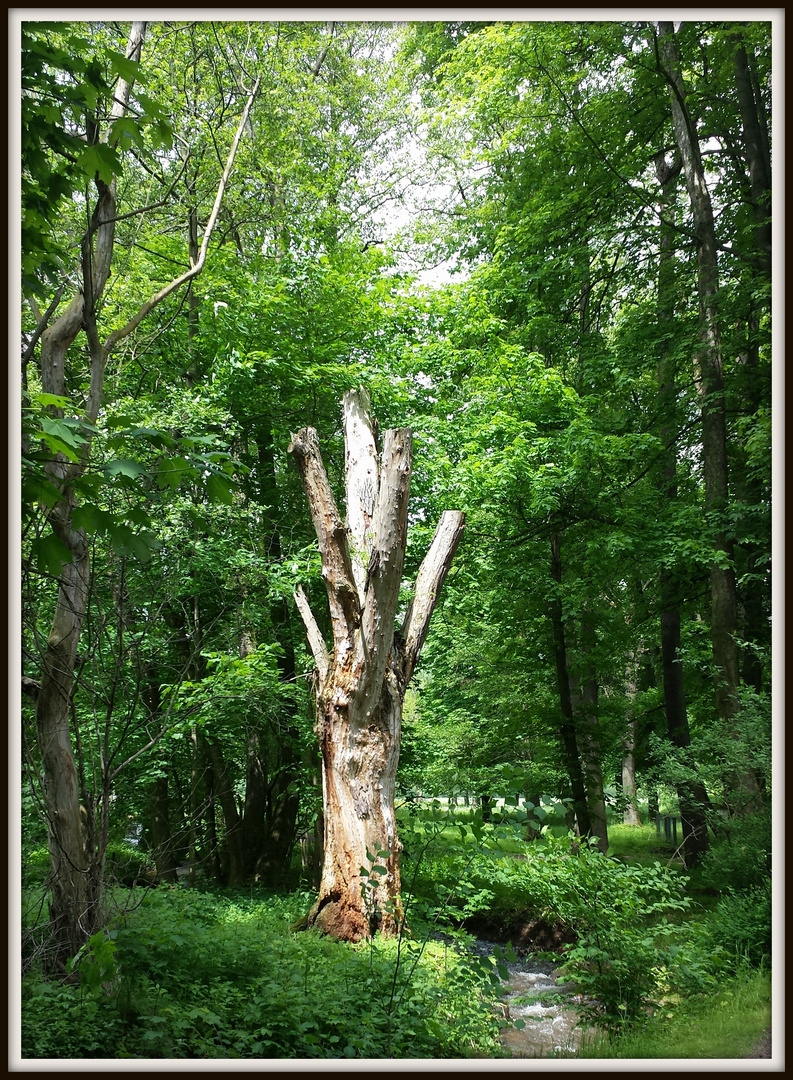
(221,975)
(125,864)
(741,924)
(35,866)
(743,857)
(619,913)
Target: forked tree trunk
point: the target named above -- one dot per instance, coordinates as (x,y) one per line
(74,909)
(361,683)
(76,875)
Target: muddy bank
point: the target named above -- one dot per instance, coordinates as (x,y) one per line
(525,935)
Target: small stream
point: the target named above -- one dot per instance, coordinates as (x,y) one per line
(533,993)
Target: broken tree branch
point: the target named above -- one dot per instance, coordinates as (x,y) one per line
(429,580)
(315,639)
(196,269)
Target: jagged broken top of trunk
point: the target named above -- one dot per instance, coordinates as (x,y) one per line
(363,558)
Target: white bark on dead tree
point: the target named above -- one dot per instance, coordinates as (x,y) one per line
(362,682)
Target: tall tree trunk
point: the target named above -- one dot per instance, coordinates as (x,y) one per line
(568,729)
(361,686)
(74,912)
(710,382)
(584,700)
(231,815)
(161,838)
(194,807)
(627,775)
(282,802)
(255,806)
(692,798)
(758,163)
(161,831)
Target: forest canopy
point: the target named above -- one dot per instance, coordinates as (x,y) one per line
(396,424)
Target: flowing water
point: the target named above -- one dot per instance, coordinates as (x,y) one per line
(535,994)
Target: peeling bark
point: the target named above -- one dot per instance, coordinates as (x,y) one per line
(362,683)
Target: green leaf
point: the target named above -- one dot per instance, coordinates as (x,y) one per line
(50,553)
(100,160)
(128,70)
(125,131)
(124,467)
(92,518)
(218,489)
(50,399)
(172,471)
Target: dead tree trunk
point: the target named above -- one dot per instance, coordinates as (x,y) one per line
(361,683)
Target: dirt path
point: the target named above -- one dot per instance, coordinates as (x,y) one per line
(762,1048)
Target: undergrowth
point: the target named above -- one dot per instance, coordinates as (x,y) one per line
(725,1024)
(220,975)
(185,973)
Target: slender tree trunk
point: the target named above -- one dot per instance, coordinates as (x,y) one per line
(210,817)
(692,798)
(312,840)
(282,802)
(361,686)
(194,806)
(752,610)
(627,774)
(255,807)
(757,161)
(584,701)
(74,911)
(568,729)
(231,815)
(161,831)
(710,383)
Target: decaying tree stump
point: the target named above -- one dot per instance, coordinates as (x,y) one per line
(362,680)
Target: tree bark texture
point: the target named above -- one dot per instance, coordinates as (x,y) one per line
(235,870)
(362,679)
(758,161)
(630,812)
(584,700)
(161,838)
(74,914)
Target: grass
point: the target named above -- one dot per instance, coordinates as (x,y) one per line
(641,844)
(725,1026)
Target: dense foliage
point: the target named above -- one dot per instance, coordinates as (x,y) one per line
(544,247)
